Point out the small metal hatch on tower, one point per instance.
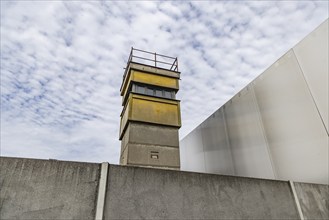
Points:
(150, 118)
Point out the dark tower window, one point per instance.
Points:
(153, 91)
(158, 93)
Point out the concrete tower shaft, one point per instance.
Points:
(150, 118)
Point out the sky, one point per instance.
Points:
(62, 64)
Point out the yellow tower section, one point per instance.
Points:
(150, 118)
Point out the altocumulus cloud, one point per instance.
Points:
(62, 64)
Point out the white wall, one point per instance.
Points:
(276, 127)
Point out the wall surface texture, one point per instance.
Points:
(48, 189)
(139, 193)
(276, 127)
(314, 200)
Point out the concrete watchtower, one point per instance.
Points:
(150, 118)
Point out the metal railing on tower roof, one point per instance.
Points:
(152, 59)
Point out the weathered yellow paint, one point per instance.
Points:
(154, 99)
(125, 86)
(151, 110)
(155, 112)
(124, 117)
(153, 79)
(147, 69)
(149, 78)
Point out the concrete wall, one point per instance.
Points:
(276, 127)
(141, 141)
(141, 155)
(314, 200)
(139, 193)
(151, 134)
(43, 189)
(47, 189)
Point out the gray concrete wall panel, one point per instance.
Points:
(153, 134)
(312, 55)
(49, 189)
(42, 189)
(314, 200)
(139, 154)
(125, 139)
(294, 130)
(139, 193)
(124, 156)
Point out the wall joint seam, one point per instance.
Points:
(228, 140)
(261, 125)
(101, 191)
(310, 92)
(299, 209)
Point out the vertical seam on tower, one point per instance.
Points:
(309, 90)
(101, 192)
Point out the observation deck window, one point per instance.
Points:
(153, 91)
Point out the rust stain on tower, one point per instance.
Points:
(150, 118)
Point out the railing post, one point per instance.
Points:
(171, 65)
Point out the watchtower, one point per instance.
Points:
(150, 118)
